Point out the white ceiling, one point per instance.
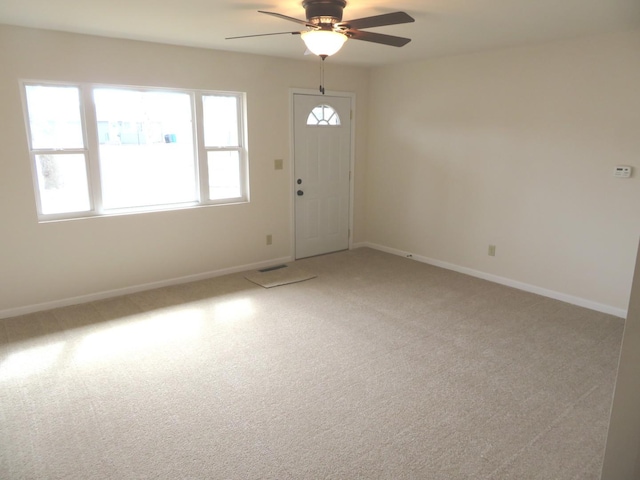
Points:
(442, 27)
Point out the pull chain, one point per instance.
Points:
(322, 74)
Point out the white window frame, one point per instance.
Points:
(241, 116)
(89, 126)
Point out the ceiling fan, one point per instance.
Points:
(326, 32)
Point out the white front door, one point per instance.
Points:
(322, 158)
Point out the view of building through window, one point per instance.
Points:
(147, 153)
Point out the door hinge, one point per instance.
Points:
(350, 114)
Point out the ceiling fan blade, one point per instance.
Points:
(380, 20)
(378, 38)
(263, 35)
(291, 19)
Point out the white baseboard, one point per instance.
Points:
(581, 302)
(14, 312)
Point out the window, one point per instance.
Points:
(145, 148)
(222, 145)
(323, 115)
(58, 149)
(99, 150)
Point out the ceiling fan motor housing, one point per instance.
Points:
(321, 12)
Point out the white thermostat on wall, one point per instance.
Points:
(622, 171)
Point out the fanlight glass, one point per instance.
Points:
(323, 115)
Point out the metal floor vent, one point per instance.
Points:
(269, 269)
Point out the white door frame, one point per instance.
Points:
(303, 91)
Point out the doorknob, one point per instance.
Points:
(299, 181)
(300, 193)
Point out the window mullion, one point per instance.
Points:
(243, 146)
(92, 146)
(203, 166)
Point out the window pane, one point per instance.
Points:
(147, 155)
(224, 175)
(62, 183)
(220, 121)
(323, 115)
(54, 117)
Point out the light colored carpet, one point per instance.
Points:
(380, 368)
(285, 275)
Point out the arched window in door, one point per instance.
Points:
(323, 115)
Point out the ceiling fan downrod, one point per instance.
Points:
(323, 57)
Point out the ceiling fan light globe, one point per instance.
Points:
(323, 42)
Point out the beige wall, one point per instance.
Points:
(622, 456)
(514, 148)
(47, 262)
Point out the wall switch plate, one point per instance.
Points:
(622, 171)
(492, 250)
(278, 164)
(269, 239)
